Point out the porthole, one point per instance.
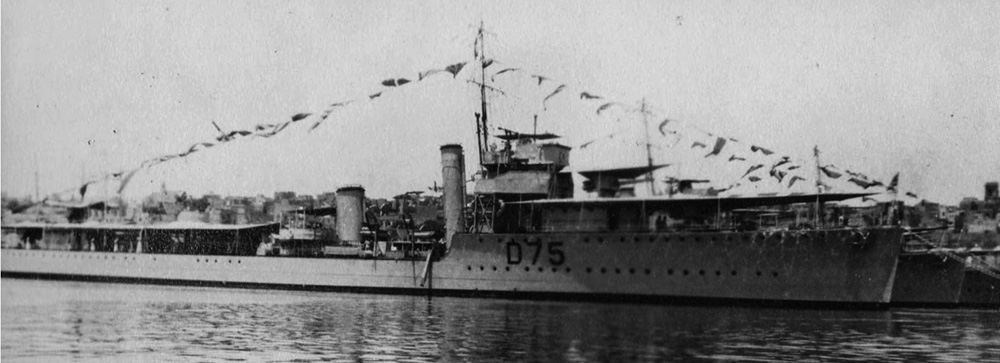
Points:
(541, 269)
(230, 261)
(481, 268)
(555, 269)
(586, 240)
(197, 260)
(670, 271)
(526, 269)
(680, 239)
(635, 239)
(239, 261)
(600, 240)
(733, 273)
(469, 268)
(568, 270)
(604, 270)
(652, 239)
(589, 270)
(774, 273)
(697, 239)
(685, 272)
(507, 268)
(758, 273)
(621, 239)
(480, 239)
(494, 268)
(701, 272)
(718, 273)
(618, 270)
(648, 271)
(631, 271)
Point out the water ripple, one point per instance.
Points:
(61, 321)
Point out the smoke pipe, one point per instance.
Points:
(350, 213)
(453, 175)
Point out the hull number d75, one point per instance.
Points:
(532, 249)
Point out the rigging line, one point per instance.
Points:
(608, 136)
(491, 88)
(479, 27)
(654, 110)
(690, 126)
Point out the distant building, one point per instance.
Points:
(214, 200)
(327, 199)
(281, 209)
(258, 204)
(949, 213)
(163, 206)
(924, 214)
(304, 201)
(191, 216)
(982, 214)
(971, 204)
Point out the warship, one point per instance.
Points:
(520, 233)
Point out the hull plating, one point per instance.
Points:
(928, 279)
(792, 267)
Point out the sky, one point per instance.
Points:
(90, 88)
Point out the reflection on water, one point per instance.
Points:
(60, 321)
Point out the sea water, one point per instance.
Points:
(56, 321)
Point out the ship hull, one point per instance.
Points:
(934, 280)
(823, 269)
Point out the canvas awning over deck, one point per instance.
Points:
(728, 203)
(172, 227)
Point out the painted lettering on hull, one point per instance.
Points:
(534, 248)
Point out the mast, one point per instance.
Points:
(36, 178)
(649, 154)
(482, 122)
(819, 183)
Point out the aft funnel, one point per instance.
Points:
(350, 213)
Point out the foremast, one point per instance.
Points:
(482, 118)
(521, 169)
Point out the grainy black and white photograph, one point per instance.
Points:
(500, 181)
